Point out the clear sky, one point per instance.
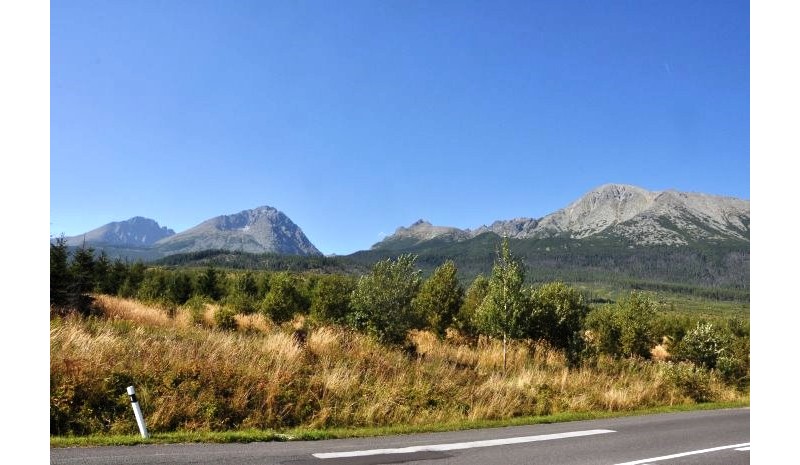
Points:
(354, 118)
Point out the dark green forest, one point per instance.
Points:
(718, 272)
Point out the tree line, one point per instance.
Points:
(394, 298)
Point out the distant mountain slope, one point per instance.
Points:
(136, 232)
(630, 213)
(644, 217)
(614, 233)
(420, 231)
(260, 230)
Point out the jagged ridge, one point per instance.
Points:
(260, 230)
(134, 232)
(615, 210)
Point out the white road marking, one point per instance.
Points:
(461, 445)
(744, 448)
(684, 454)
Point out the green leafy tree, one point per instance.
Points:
(330, 299)
(382, 299)
(602, 331)
(502, 312)
(556, 315)
(636, 317)
(465, 319)
(440, 298)
(283, 299)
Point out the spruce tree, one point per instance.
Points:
(59, 274)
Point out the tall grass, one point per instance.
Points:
(191, 377)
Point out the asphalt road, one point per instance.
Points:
(710, 437)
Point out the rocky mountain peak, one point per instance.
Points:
(259, 230)
(134, 232)
(643, 217)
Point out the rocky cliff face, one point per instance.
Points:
(616, 210)
(260, 230)
(645, 217)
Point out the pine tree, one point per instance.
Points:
(59, 274)
(208, 284)
(82, 270)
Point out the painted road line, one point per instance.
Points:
(684, 454)
(462, 445)
(744, 448)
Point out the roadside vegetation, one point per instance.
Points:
(213, 350)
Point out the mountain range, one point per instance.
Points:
(615, 231)
(259, 230)
(632, 214)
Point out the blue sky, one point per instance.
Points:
(354, 118)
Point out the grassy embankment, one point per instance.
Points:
(263, 383)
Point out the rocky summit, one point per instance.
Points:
(135, 232)
(636, 215)
(260, 230)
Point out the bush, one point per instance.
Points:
(556, 315)
(382, 300)
(240, 303)
(439, 298)
(283, 299)
(702, 346)
(330, 301)
(691, 380)
(225, 318)
(464, 321)
(624, 328)
(197, 309)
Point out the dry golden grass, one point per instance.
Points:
(660, 353)
(193, 377)
(133, 310)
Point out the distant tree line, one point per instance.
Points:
(719, 272)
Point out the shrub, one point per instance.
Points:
(624, 328)
(225, 318)
(440, 298)
(283, 299)
(702, 346)
(381, 301)
(464, 320)
(556, 315)
(330, 301)
(691, 380)
(197, 308)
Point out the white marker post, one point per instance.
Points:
(137, 411)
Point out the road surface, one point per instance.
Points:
(706, 437)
